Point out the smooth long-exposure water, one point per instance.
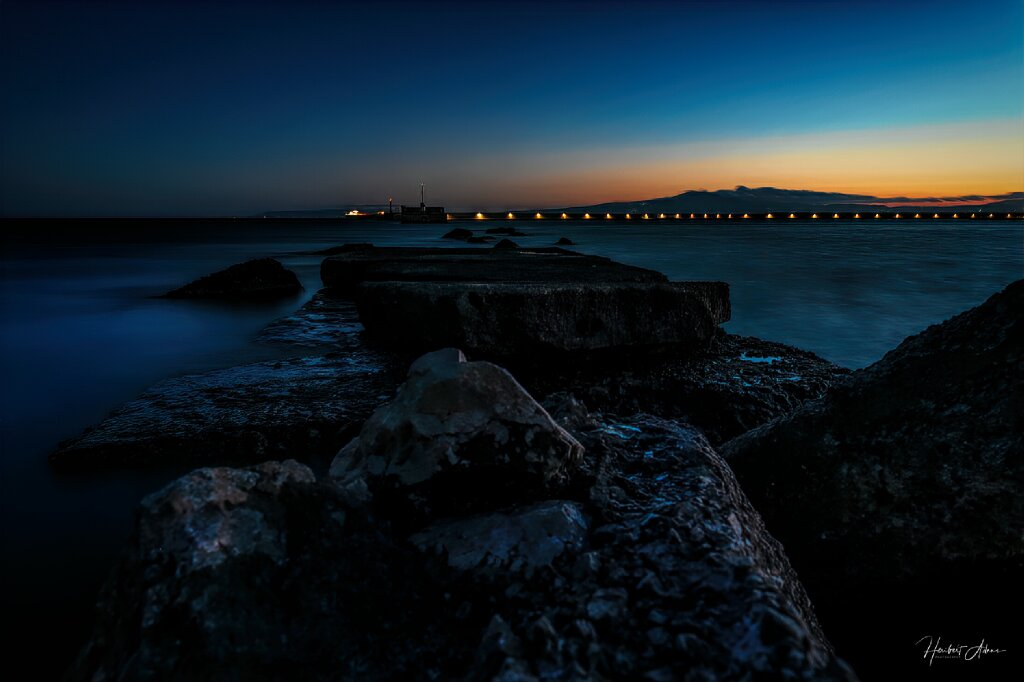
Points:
(81, 333)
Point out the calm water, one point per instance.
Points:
(80, 335)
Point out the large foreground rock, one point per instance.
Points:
(458, 432)
(261, 278)
(906, 481)
(646, 562)
(520, 318)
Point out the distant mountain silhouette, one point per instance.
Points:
(762, 199)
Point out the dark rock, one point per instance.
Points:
(248, 413)
(906, 481)
(479, 240)
(355, 264)
(506, 244)
(262, 278)
(266, 573)
(458, 233)
(510, 542)
(736, 385)
(458, 433)
(507, 231)
(565, 241)
(520, 318)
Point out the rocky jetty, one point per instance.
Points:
(905, 481)
(255, 279)
(520, 301)
(640, 559)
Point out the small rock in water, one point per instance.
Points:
(506, 244)
(262, 278)
(565, 241)
(459, 233)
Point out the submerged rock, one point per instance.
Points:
(262, 278)
(646, 562)
(907, 478)
(507, 231)
(482, 239)
(459, 433)
(502, 319)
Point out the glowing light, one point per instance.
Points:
(628, 217)
(510, 216)
(564, 216)
(608, 216)
(955, 215)
(448, 216)
(897, 215)
(972, 215)
(661, 215)
(586, 216)
(538, 216)
(856, 215)
(791, 215)
(877, 216)
(677, 216)
(917, 215)
(353, 212)
(718, 215)
(380, 212)
(705, 216)
(769, 216)
(747, 215)
(479, 216)
(691, 216)
(990, 215)
(814, 215)
(1008, 215)
(935, 216)
(835, 215)
(646, 216)
(730, 216)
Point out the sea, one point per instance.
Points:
(81, 332)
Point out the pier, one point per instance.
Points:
(498, 216)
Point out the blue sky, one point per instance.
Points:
(235, 108)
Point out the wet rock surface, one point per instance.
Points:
(737, 384)
(904, 483)
(458, 233)
(645, 562)
(256, 279)
(297, 407)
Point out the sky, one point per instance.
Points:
(234, 108)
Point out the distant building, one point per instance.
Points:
(423, 213)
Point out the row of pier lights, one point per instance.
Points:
(509, 215)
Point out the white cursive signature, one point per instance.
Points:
(967, 652)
